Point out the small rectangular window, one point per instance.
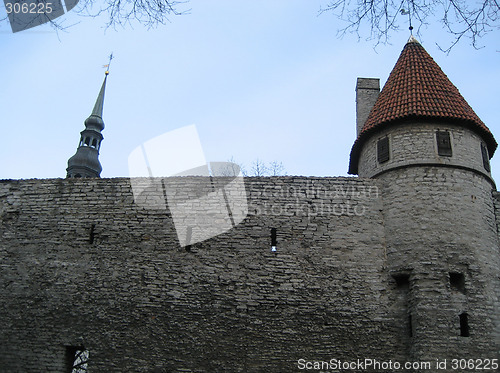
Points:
(457, 281)
(443, 143)
(410, 326)
(274, 240)
(464, 325)
(383, 150)
(486, 158)
(92, 233)
(402, 280)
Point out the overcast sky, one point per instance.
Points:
(260, 79)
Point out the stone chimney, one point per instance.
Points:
(367, 91)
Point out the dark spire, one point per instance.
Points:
(95, 118)
(85, 162)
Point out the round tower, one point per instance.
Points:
(85, 162)
(431, 153)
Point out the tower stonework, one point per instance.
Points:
(400, 265)
(431, 153)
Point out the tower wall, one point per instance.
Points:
(440, 221)
(415, 144)
(440, 224)
(441, 235)
(421, 141)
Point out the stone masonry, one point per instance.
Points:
(397, 270)
(83, 265)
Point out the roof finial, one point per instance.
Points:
(408, 13)
(109, 64)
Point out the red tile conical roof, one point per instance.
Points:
(418, 88)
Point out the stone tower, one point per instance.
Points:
(431, 152)
(85, 162)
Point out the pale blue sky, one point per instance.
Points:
(260, 79)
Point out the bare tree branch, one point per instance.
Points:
(259, 168)
(276, 169)
(149, 13)
(461, 18)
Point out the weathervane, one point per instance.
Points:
(109, 64)
(407, 12)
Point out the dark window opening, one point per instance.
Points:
(402, 280)
(486, 158)
(76, 359)
(457, 281)
(92, 234)
(410, 326)
(78, 176)
(383, 150)
(87, 141)
(274, 240)
(443, 143)
(94, 143)
(464, 325)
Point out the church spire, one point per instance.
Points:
(99, 103)
(85, 162)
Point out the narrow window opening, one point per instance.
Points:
(464, 325)
(383, 150)
(486, 158)
(444, 143)
(92, 234)
(76, 359)
(87, 141)
(402, 280)
(274, 240)
(94, 143)
(457, 281)
(410, 326)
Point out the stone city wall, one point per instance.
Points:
(85, 265)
